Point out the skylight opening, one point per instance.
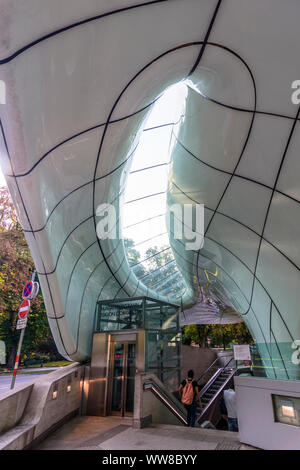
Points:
(144, 226)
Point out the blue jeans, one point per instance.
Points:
(191, 413)
(232, 424)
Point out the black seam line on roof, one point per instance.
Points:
(183, 268)
(177, 48)
(102, 139)
(206, 38)
(270, 327)
(282, 360)
(26, 213)
(250, 308)
(102, 261)
(271, 333)
(176, 273)
(112, 277)
(80, 308)
(80, 187)
(121, 288)
(114, 106)
(150, 257)
(74, 25)
(234, 170)
(236, 108)
(262, 333)
(166, 279)
(98, 126)
(136, 288)
(271, 352)
(70, 233)
(243, 148)
(48, 273)
(250, 127)
(196, 266)
(145, 197)
(149, 167)
(182, 278)
(272, 195)
(244, 110)
(162, 125)
(235, 175)
(255, 279)
(149, 239)
(240, 223)
(144, 220)
(72, 272)
(157, 269)
(82, 297)
(230, 277)
(167, 292)
(150, 104)
(270, 320)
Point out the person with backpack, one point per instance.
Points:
(189, 394)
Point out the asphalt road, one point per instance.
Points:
(5, 380)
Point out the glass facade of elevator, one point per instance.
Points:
(160, 321)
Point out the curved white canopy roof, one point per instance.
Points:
(80, 79)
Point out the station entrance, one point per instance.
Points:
(132, 336)
(122, 375)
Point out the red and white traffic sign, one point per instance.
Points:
(30, 290)
(24, 309)
(27, 291)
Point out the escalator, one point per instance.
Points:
(211, 392)
(215, 379)
(174, 405)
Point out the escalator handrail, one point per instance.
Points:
(219, 370)
(156, 390)
(203, 410)
(205, 372)
(210, 382)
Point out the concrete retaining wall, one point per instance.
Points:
(48, 402)
(198, 359)
(12, 406)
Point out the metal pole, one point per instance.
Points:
(17, 359)
(19, 347)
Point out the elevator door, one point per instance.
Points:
(123, 375)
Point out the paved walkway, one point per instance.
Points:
(113, 433)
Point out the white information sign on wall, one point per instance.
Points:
(242, 352)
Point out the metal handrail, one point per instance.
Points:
(154, 388)
(205, 372)
(231, 359)
(203, 410)
(210, 382)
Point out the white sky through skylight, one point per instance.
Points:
(153, 150)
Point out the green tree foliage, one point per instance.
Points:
(16, 266)
(219, 335)
(134, 257)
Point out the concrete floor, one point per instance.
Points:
(114, 433)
